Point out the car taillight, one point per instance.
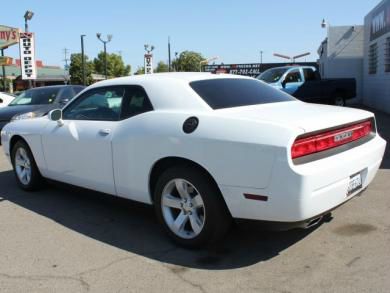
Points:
(329, 139)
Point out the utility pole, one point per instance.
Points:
(169, 54)
(66, 51)
(3, 68)
(83, 59)
(109, 38)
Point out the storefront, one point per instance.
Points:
(376, 72)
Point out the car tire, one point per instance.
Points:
(25, 168)
(190, 207)
(339, 101)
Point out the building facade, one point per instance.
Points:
(376, 71)
(342, 54)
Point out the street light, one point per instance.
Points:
(82, 59)
(109, 38)
(149, 48)
(27, 16)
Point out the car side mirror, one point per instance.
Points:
(56, 115)
(284, 82)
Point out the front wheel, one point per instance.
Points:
(190, 207)
(26, 171)
(339, 101)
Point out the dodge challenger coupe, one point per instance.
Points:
(203, 149)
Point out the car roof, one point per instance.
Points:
(169, 91)
(178, 76)
(54, 86)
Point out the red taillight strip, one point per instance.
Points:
(330, 139)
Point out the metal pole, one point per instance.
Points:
(105, 60)
(3, 68)
(169, 54)
(82, 59)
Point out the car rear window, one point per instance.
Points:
(234, 92)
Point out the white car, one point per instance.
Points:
(203, 149)
(5, 99)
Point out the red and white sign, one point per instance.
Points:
(27, 56)
(8, 36)
(148, 63)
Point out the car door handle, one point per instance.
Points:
(105, 131)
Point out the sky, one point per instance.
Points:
(235, 31)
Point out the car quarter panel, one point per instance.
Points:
(236, 152)
(30, 130)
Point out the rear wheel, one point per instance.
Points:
(190, 207)
(26, 171)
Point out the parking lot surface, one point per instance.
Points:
(63, 239)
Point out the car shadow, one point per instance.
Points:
(133, 227)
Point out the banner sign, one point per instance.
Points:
(251, 69)
(380, 21)
(8, 36)
(148, 63)
(5, 61)
(27, 56)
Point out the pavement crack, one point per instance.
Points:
(102, 268)
(179, 271)
(82, 282)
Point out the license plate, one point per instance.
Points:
(355, 183)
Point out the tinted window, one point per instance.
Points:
(228, 93)
(293, 76)
(37, 96)
(98, 104)
(67, 93)
(272, 75)
(78, 89)
(309, 74)
(136, 103)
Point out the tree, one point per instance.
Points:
(161, 67)
(188, 61)
(115, 65)
(75, 69)
(140, 70)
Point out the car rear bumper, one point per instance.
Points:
(300, 192)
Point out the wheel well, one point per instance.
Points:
(164, 164)
(14, 140)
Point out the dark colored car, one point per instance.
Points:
(306, 84)
(38, 101)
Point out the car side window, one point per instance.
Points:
(101, 104)
(293, 76)
(1, 101)
(309, 74)
(136, 102)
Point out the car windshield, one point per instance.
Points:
(37, 96)
(236, 92)
(272, 75)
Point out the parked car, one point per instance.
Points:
(37, 102)
(5, 99)
(203, 149)
(305, 83)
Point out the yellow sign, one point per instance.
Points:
(5, 61)
(8, 36)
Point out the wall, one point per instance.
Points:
(376, 87)
(342, 55)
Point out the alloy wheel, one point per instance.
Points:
(183, 208)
